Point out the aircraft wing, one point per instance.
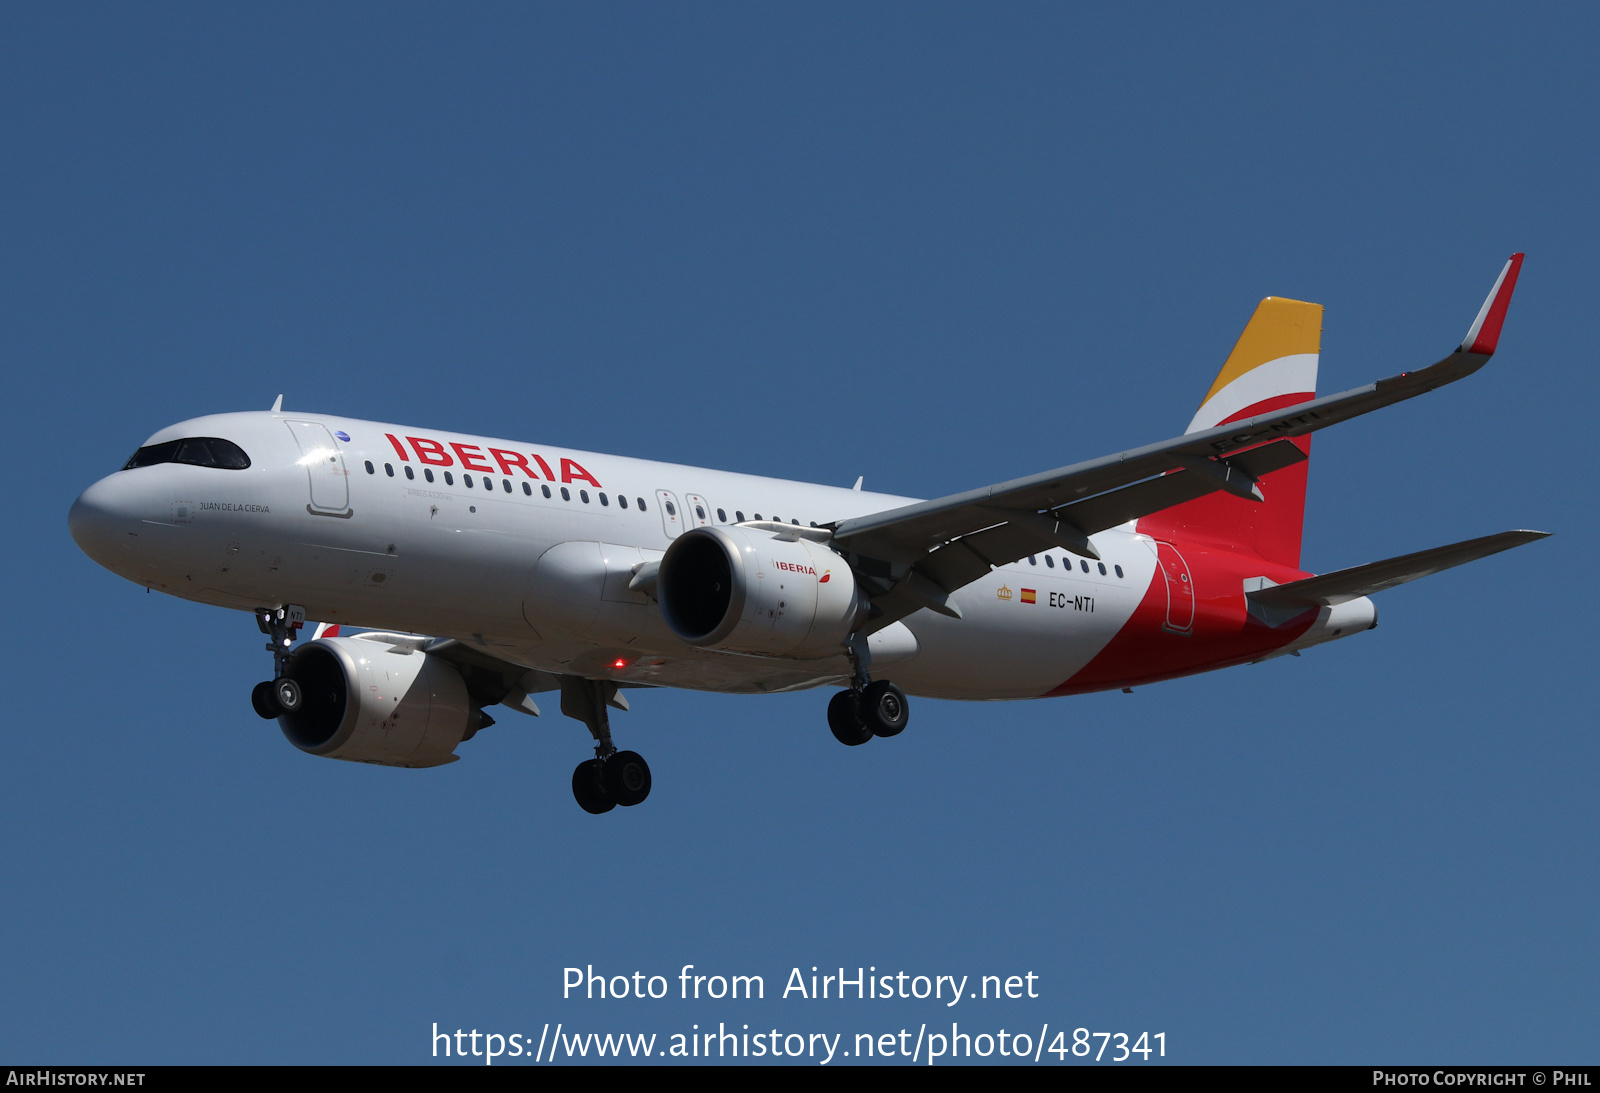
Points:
(1342, 585)
(914, 556)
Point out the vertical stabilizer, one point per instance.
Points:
(1273, 365)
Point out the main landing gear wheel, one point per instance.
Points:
(844, 718)
(883, 708)
(264, 701)
(626, 778)
(612, 777)
(587, 788)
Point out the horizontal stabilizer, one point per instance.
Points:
(1363, 580)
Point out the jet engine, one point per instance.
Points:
(369, 702)
(748, 590)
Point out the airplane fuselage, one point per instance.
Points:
(527, 552)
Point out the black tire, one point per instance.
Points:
(587, 789)
(884, 709)
(844, 718)
(287, 694)
(627, 778)
(263, 700)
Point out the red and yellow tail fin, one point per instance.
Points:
(1273, 365)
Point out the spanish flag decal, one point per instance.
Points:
(1029, 596)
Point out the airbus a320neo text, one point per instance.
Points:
(488, 572)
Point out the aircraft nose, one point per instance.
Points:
(100, 520)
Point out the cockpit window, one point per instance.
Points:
(197, 451)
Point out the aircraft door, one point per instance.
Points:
(1180, 589)
(698, 514)
(671, 515)
(325, 470)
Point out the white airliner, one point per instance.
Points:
(497, 569)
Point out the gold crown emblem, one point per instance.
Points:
(1004, 593)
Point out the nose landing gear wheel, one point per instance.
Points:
(286, 692)
(883, 707)
(626, 778)
(587, 789)
(263, 700)
(844, 718)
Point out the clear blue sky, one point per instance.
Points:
(936, 245)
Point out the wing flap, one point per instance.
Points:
(1141, 499)
(970, 557)
(1340, 586)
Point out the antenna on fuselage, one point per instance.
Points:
(860, 478)
(277, 404)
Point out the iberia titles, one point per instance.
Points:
(473, 457)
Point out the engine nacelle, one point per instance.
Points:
(364, 701)
(745, 590)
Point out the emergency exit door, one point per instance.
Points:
(671, 514)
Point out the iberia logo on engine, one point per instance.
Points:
(790, 567)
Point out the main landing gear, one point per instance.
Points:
(878, 709)
(279, 695)
(612, 777)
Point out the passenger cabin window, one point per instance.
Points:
(1085, 565)
(1102, 566)
(448, 480)
(370, 468)
(545, 490)
(388, 469)
(1032, 560)
(527, 490)
(583, 495)
(722, 517)
(410, 473)
(196, 451)
(640, 500)
(466, 480)
(622, 499)
(566, 494)
(738, 516)
(1118, 568)
(428, 474)
(604, 500)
